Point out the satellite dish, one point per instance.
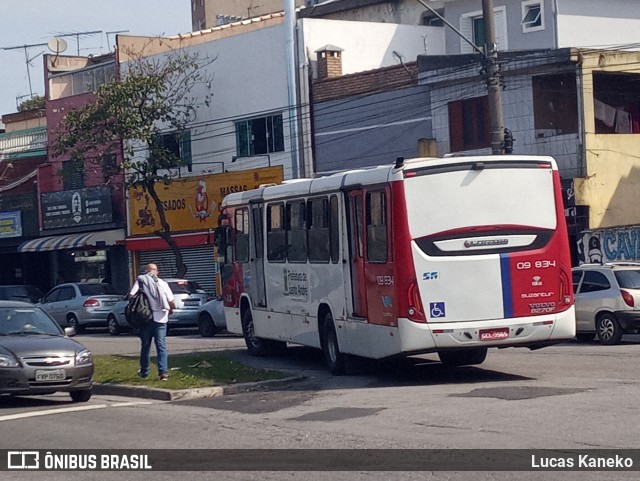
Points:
(57, 45)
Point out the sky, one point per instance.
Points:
(28, 22)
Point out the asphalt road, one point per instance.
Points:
(570, 396)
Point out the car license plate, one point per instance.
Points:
(50, 375)
(494, 334)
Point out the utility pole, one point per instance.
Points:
(492, 68)
(494, 84)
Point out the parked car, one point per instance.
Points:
(79, 304)
(188, 296)
(37, 357)
(20, 292)
(211, 318)
(607, 301)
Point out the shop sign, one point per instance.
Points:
(10, 224)
(192, 204)
(70, 208)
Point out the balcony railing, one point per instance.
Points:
(23, 144)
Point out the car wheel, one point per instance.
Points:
(80, 396)
(113, 326)
(466, 357)
(334, 359)
(608, 329)
(584, 336)
(206, 326)
(73, 322)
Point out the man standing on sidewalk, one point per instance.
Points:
(161, 301)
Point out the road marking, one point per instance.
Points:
(46, 412)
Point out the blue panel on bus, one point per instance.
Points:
(507, 297)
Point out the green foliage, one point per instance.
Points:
(154, 96)
(33, 103)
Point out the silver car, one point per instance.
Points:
(607, 301)
(188, 297)
(36, 357)
(79, 304)
(211, 318)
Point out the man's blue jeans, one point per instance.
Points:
(153, 331)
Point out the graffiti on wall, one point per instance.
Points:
(610, 245)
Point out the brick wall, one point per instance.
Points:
(379, 80)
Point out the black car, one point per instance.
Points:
(37, 357)
(26, 293)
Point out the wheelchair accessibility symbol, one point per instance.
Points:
(437, 309)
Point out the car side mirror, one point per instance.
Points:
(69, 331)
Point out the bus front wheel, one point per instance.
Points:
(466, 357)
(333, 357)
(255, 345)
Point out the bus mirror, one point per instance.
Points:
(220, 238)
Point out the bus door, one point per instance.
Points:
(378, 262)
(355, 228)
(257, 256)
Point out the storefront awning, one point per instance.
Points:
(73, 241)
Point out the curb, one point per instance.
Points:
(195, 393)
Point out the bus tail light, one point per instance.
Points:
(415, 311)
(565, 288)
(627, 298)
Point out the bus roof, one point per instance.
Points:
(365, 176)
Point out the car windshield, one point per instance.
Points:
(23, 293)
(23, 321)
(629, 279)
(96, 289)
(185, 287)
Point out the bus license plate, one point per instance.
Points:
(50, 375)
(494, 334)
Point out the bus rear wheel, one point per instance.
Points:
(466, 357)
(333, 357)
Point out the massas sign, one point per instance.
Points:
(192, 204)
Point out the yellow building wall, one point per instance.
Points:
(611, 187)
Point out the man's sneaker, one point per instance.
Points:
(164, 376)
(143, 376)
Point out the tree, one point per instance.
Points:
(33, 103)
(154, 96)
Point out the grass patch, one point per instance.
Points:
(201, 369)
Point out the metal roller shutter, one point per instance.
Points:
(199, 261)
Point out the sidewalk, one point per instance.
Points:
(129, 345)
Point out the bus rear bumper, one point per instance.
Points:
(535, 331)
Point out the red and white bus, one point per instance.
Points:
(449, 255)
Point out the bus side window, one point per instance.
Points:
(276, 235)
(334, 230)
(318, 234)
(376, 227)
(296, 231)
(242, 235)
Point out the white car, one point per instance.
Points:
(607, 301)
(211, 318)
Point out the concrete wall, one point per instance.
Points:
(372, 129)
(593, 23)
